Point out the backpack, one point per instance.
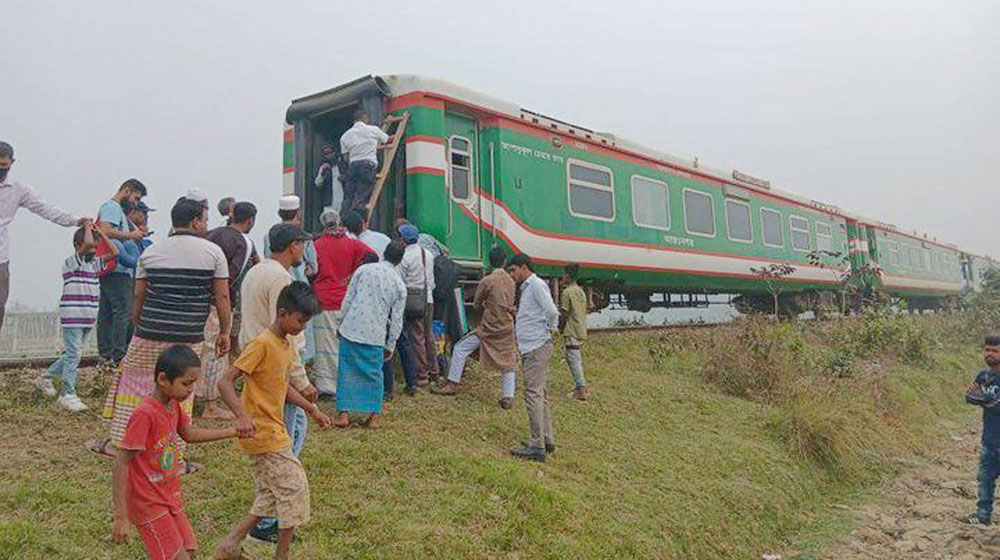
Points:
(103, 251)
(445, 277)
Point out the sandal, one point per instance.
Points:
(190, 467)
(102, 447)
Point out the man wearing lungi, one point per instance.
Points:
(177, 281)
(372, 320)
(337, 256)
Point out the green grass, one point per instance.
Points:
(659, 463)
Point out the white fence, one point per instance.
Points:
(35, 335)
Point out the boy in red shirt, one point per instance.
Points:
(148, 489)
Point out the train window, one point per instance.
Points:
(892, 248)
(591, 191)
(800, 233)
(699, 213)
(460, 166)
(770, 225)
(738, 220)
(824, 237)
(650, 203)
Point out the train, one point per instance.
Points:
(647, 228)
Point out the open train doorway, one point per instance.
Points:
(319, 121)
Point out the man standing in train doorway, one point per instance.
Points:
(537, 320)
(360, 146)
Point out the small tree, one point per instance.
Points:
(772, 276)
(851, 280)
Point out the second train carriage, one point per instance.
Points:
(477, 171)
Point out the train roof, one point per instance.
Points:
(394, 85)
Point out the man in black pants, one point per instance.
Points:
(360, 146)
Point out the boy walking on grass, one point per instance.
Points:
(985, 392)
(282, 487)
(77, 313)
(147, 488)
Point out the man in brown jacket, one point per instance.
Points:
(494, 336)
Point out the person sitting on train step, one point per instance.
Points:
(537, 320)
(338, 256)
(495, 301)
(417, 269)
(573, 320)
(328, 177)
(360, 146)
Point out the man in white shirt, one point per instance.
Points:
(360, 146)
(537, 319)
(417, 269)
(13, 196)
(357, 225)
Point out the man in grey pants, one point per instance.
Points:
(14, 196)
(537, 320)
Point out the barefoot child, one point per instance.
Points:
(147, 491)
(985, 392)
(282, 487)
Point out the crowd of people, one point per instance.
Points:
(318, 318)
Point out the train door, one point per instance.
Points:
(462, 183)
(873, 250)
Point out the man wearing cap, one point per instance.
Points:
(337, 257)
(14, 196)
(259, 301)
(417, 268)
(197, 196)
(290, 212)
(360, 146)
(114, 317)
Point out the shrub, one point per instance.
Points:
(755, 358)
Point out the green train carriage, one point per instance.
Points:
(477, 171)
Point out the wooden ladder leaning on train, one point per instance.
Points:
(395, 127)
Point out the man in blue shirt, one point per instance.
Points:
(114, 318)
(985, 392)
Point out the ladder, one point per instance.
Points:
(394, 126)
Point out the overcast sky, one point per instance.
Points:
(885, 108)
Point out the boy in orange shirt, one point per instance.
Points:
(148, 479)
(282, 487)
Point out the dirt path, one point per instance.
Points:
(920, 518)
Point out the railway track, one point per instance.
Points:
(39, 362)
(88, 361)
(642, 328)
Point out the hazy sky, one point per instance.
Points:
(887, 108)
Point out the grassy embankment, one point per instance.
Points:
(703, 444)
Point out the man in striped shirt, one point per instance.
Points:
(77, 314)
(176, 283)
